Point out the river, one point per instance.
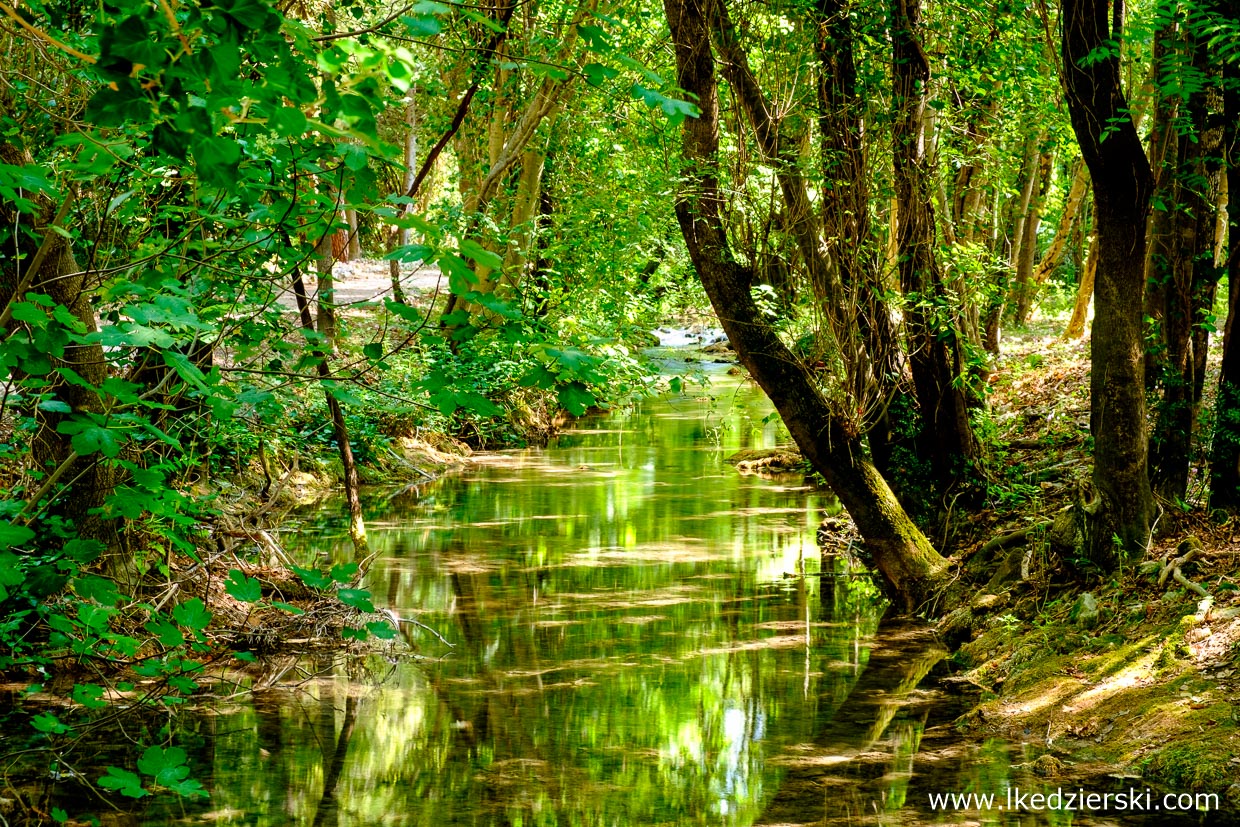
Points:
(626, 632)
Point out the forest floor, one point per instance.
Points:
(1132, 674)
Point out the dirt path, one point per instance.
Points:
(367, 280)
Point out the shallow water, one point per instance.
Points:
(635, 635)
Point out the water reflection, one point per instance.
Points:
(640, 636)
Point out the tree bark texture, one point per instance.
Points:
(1122, 508)
(932, 324)
(1084, 292)
(340, 428)
(1163, 148)
(1225, 449)
(903, 555)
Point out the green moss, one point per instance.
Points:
(1192, 767)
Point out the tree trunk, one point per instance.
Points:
(1069, 220)
(340, 428)
(403, 236)
(831, 442)
(1084, 292)
(849, 234)
(1025, 288)
(1159, 228)
(1018, 214)
(1188, 292)
(523, 218)
(38, 258)
(931, 322)
(1225, 450)
(324, 262)
(969, 190)
(781, 151)
(355, 238)
(1122, 509)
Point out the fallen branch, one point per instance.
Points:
(1012, 538)
(1171, 566)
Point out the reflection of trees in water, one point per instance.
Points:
(831, 780)
(586, 683)
(677, 741)
(328, 813)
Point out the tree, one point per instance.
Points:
(826, 435)
(933, 326)
(1225, 450)
(1120, 509)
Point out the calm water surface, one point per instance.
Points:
(639, 636)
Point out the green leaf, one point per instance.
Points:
(99, 589)
(123, 781)
(168, 634)
(192, 614)
(94, 439)
(312, 577)
(497, 305)
(89, 695)
(539, 377)
(288, 122)
(217, 159)
(125, 646)
(576, 398)
(421, 25)
(14, 535)
(461, 277)
(381, 629)
(344, 572)
(189, 788)
(480, 254)
(29, 314)
(49, 723)
(288, 607)
(168, 766)
(84, 551)
(477, 403)
(59, 816)
(243, 588)
(357, 598)
(95, 618)
(340, 393)
(11, 573)
(597, 74)
(675, 110)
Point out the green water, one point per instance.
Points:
(635, 635)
